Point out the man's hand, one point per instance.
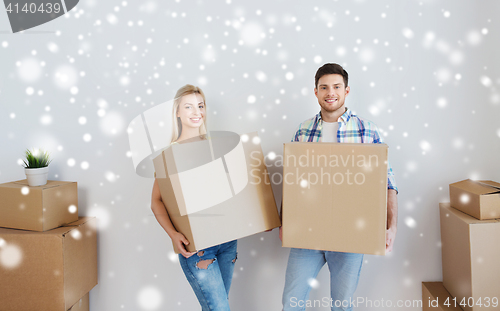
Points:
(392, 219)
(390, 236)
(179, 241)
(281, 234)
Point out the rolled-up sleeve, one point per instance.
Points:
(297, 134)
(391, 181)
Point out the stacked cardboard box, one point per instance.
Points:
(480, 199)
(51, 264)
(470, 252)
(38, 208)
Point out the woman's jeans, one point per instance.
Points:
(211, 283)
(303, 267)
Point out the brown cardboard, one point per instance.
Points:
(81, 305)
(327, 205)
(480, 199)
(235, 198)
(471, 257)
(54, 268)
(38, 208)
(436, 298)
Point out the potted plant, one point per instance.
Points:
(37, 167)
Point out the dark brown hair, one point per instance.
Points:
(329, 69)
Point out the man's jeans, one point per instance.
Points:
(303, 267)
(211, 285)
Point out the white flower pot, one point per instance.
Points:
(37, 176)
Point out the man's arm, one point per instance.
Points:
(281, 220)
(392, 201)
(392, 219)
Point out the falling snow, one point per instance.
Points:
(75, 90)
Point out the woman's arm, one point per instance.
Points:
(163, 219)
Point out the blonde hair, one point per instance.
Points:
(176, 123)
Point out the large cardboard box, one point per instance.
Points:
(38, 208)
(216, 190)
(471, 258)
(480, 199)
(335, 197)
(47, 271)
(436, 298)
(81, 305)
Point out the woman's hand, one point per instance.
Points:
(179, 241)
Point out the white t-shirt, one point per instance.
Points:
(329, 132)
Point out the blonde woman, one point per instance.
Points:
(209, 271)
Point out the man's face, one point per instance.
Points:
(331, 92)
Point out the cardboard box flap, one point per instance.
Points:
(57, 231)
(467, 218)
(11, 231)
(479, 187)
(82, 304)
(49, 184)
(62, 231)
(491, 184)
(81, 220)
(9, 184)
(24, 183)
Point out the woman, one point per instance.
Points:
(209, 271)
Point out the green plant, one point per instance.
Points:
(36, 158)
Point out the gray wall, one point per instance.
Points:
(424, 71)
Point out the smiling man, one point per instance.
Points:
(334, 123)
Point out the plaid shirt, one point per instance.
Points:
(352, 129)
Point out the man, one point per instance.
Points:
(334, 123)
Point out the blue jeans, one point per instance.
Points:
(211, 284)
(303, 267)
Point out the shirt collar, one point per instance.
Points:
(343, 118)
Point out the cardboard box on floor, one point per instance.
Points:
(471, 257)
(48, 271)
(216, 190)
(335, 197)
(480, 198)
(436, 298)
(38, 208)
(81, 305)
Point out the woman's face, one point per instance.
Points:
(191, 110)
